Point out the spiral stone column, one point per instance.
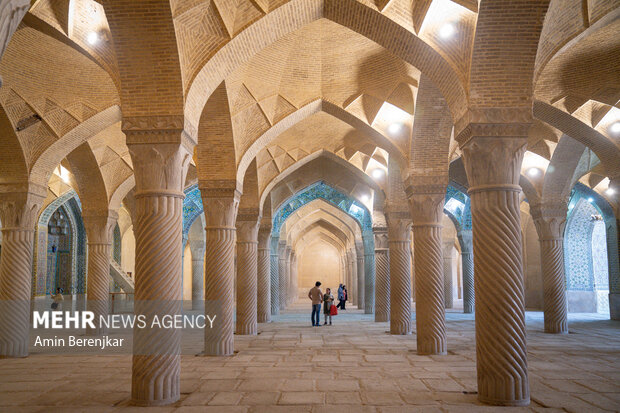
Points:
(247, 267)
(198, 275)
(550, 225)
(160, 171)
(282, 273)
(382, 274)
(98, 231)
(294, 291)
(275, 276)
(493, 153)
(263, 276)
(399, 229)
(426, 208)
(467, 263)
(359, 252)
(221, 207)
(18, 214)
(447, 275)
(369, 273)
(289, 268)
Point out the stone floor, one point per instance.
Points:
(352, 366)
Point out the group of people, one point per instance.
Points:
(327, 299)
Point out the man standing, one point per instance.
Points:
(316, 295)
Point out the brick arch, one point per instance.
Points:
(328, 227)
(564, 170)
(121, 191)
(329, 223)
(349, 13)
(90, 182)
(146, 45)
(320, 205)
(324, 235)
(13, 167)
(606, 150)
(306, 111)
(326, 156)
(507, 31)
(57, 151)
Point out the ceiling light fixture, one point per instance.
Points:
(610, 191)
(92, 38)
(590, 200)
(395, 128)
(377, 173)
(615, 127)
(365, 198)
(446, 31)
(533, 172)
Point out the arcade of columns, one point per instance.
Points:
(491, 123)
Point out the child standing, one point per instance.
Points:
(328, 300)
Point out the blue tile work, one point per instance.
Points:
(116, 244)
(582, 193)
(321, 190)
(69, 262)
(192, 208)
(458, 208)
(578, 247)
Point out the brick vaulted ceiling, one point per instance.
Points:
(332, 71)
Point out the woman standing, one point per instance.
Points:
(340, 297)
(328, 300)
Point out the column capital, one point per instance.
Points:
(163, 129)
(20, 209)
(197, 247)
(359, 248)
(159, 168)
(492, 122)
(220, 205)
(381, 238)
(494, 162)
(99, 225)
(247, 231)
(399, 226)
(427, 207)
(549, 218)
(264, 234)
(466, 239)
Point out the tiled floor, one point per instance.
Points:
(352, 366)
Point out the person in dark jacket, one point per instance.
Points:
(345, 296)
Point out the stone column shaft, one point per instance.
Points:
(400, 272)
(220, 217)
(282, 274)
(550, 223)
(198, 275)
(493, 154)
(467, 260)
(426, 209)
(160, 171)
(369, 273)
(275, 276)
(98, 230)
(359, 250)
(447, 276)
(18, 213)
(263, 292)
(382, 275)
(247, 267)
